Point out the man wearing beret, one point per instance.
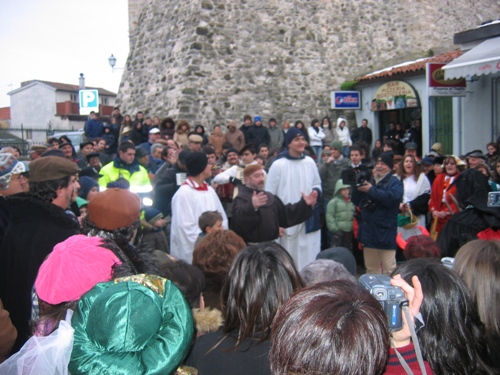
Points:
(379, 203)
(291, 174)
(193, 198)
(38, 222)
(258, 215)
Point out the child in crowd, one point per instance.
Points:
(208, 222)
(153, 232)
(109, 137)
(340, 216)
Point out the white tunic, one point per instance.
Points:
(187, 206)
(288, 179)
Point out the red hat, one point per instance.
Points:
(73, 268)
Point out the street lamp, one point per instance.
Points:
(112, 63)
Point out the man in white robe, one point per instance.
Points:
(193, 198)
(289, 177)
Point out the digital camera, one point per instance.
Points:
(392, 298)
(356, 176)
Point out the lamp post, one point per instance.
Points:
(112, 63)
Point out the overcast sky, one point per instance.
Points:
(56, 40)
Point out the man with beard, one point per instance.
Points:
(379, 203)
(38, 222)
(258, 215)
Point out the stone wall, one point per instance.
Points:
(212, 60)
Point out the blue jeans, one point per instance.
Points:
(345, 151)
(317, 151)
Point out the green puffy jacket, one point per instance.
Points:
(339, 212)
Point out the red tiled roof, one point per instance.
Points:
(411, 66)
(69, 88)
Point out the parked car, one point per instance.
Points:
(76, 137)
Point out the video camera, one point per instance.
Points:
(392, 298)
(357, 176)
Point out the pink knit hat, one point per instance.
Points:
(73, 268)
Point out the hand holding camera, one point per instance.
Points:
(414, 295)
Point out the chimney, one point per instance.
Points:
(82, 82)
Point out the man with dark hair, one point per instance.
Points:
(258, 134)
(379, 202)
(276, 135)
(38, 222)
(248, 154)
(85, 149)
(390, 145)
(289, 177)
(247, 125)
(126, 166)
(167, 182)
(94, 126)
(363, 133)
(193, 198)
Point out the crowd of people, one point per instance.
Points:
(160, 247)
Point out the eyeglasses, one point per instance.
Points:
(21, 177)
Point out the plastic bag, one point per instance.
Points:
(47, 355)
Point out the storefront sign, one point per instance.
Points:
(346, 100)
(439, 86)
(395, 95)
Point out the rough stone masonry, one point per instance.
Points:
(211, 60)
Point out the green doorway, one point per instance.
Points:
(441, 122)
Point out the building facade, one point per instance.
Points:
(39, 107)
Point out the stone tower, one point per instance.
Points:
(212, 60)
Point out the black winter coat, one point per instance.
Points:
(263, 224)
(35, 228)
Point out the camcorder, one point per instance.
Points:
(494, 199)
(357, 176)
(392, 298)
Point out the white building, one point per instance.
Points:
(464, 116)
(40, 107)
(479, 110)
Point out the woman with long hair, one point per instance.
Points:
(453, 340)
(316, 136)
(182, 132)
(417, 188)
(344, 136)
(492, 156)
(300, 125)
(329, 130)
(443, 202)
(261, 279)
(478, 264)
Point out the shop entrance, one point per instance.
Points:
(405, 117)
